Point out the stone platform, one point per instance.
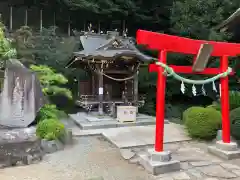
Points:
(138, 136)
(93, 121)
(144, 135)
(19, 146)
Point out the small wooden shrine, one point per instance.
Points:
(112, 62)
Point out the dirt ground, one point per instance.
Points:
(90, 157)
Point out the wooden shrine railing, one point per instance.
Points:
(89, 102)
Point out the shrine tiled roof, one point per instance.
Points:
(107, 47)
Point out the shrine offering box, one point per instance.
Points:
(126, 114)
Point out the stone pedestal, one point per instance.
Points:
(226, 151)
(159, 162)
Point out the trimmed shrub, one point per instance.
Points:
(48, 111)
(187, 111)
(235, 123)
(202, 123)
(50, 129)
(215, 105)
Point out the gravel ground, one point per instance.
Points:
(90, 157)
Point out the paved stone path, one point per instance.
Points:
(94, 157)
(126, 137)
(196, 163)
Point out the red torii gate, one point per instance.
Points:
(168, 43)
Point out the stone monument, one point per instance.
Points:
(21, 96)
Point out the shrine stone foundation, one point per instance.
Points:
(159, 162)
(226, 151)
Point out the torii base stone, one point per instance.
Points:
(159, 162)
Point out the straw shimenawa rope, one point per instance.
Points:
(170, 72)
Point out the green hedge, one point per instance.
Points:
(202, 123)
(234, 101)
(50, 129)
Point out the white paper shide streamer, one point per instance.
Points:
(194, 90)
(182, 87)
(214, 86)
(220, 90)
(203, 91)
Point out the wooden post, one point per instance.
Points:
(225, 101)
(135, 90)
(84, 26)
(69, 26)
(41, 21)
(54, 21)
(125, 92)
(26, 17)
(100, 90)
(78, 84)
(99, 27)
(93, 84)
(124, 27)
(11, 19)
(160, 103)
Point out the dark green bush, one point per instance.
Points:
(235, 123)
(234, 101)
(173, 111)
(202, 123)
(50, 129)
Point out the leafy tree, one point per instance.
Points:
(6, 50)
(198, 18)
(23, 41)
(51, 81)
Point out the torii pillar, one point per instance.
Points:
(159, 161)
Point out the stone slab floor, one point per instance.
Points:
(94, 157)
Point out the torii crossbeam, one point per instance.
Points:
(168, 43)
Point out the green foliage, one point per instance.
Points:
(234, 101)
(53, 50)
(6, 50)
(202, 123)
(46, 48)
(197, 19)
(51, 81)
(23, 41)
(121, 9)
(149, 107)
(215, 106)
(48, 111)
(235, 123)
(174, 111)
(50, 129)
(187, 111)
